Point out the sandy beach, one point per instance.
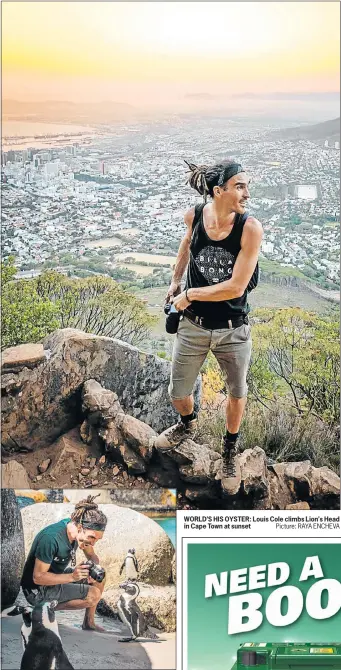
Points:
(100, 651)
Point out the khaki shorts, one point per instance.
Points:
(231, 347)
(60, 592)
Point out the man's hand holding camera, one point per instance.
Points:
(173, 290)
(80, 572)
(181, 301)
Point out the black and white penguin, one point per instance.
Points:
(131, 566)
(43, 649)
(26, 628)
(130, 613)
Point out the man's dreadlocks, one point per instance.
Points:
(203, 178)
(88, 515)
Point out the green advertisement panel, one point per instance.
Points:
(263, 606)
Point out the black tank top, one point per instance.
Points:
(211, 262)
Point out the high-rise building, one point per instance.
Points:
(102, 167)
(326, 144)
(51, 170)
(337, 145)
(11, 156)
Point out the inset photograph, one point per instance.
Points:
(86, 583)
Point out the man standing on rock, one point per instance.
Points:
(50, 571)
(220, 250)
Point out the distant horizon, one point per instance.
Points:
(276, 95)
(174, 56)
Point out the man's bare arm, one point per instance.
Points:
(42, 577)
(242, 271)
(183, 255)
(89, 552)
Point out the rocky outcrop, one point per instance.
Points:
(125, 456)
(41, 385)
(12, 548)
(13, 474)
(116, 398)
(126, 529)
(23, 356)
(158, 604)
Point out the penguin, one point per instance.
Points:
(26, 628)
(131, 566)
(43, 648)
(130, 613)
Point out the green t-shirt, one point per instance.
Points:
(51, 546)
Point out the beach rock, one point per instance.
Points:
(74, 496)
(158, 604)
(126, 528)
(13, 474)
(254, 472)
(50, 401)
(12, 548)
(156, 500)
(174, 569)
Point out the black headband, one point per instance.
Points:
(229, 171)
(93, 525)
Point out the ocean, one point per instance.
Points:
(168, 523)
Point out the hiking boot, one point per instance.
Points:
(171, 437)
(231, 473)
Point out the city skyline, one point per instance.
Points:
(165, 54)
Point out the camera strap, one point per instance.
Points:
(73, 555)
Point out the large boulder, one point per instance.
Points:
(12, 548)
(158, 605)
(42, 403)
(126, 529)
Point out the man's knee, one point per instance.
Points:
(238, 396)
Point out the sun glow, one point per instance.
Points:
(222, 42)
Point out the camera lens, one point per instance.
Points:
(96, 572)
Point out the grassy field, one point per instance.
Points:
(147, 258)
(142, 270)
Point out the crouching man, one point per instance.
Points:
(50, 571)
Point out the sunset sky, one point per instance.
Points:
(136, 52)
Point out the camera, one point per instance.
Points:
(173, 318)
(96, 572)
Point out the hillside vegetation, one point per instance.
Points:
(294, 384)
